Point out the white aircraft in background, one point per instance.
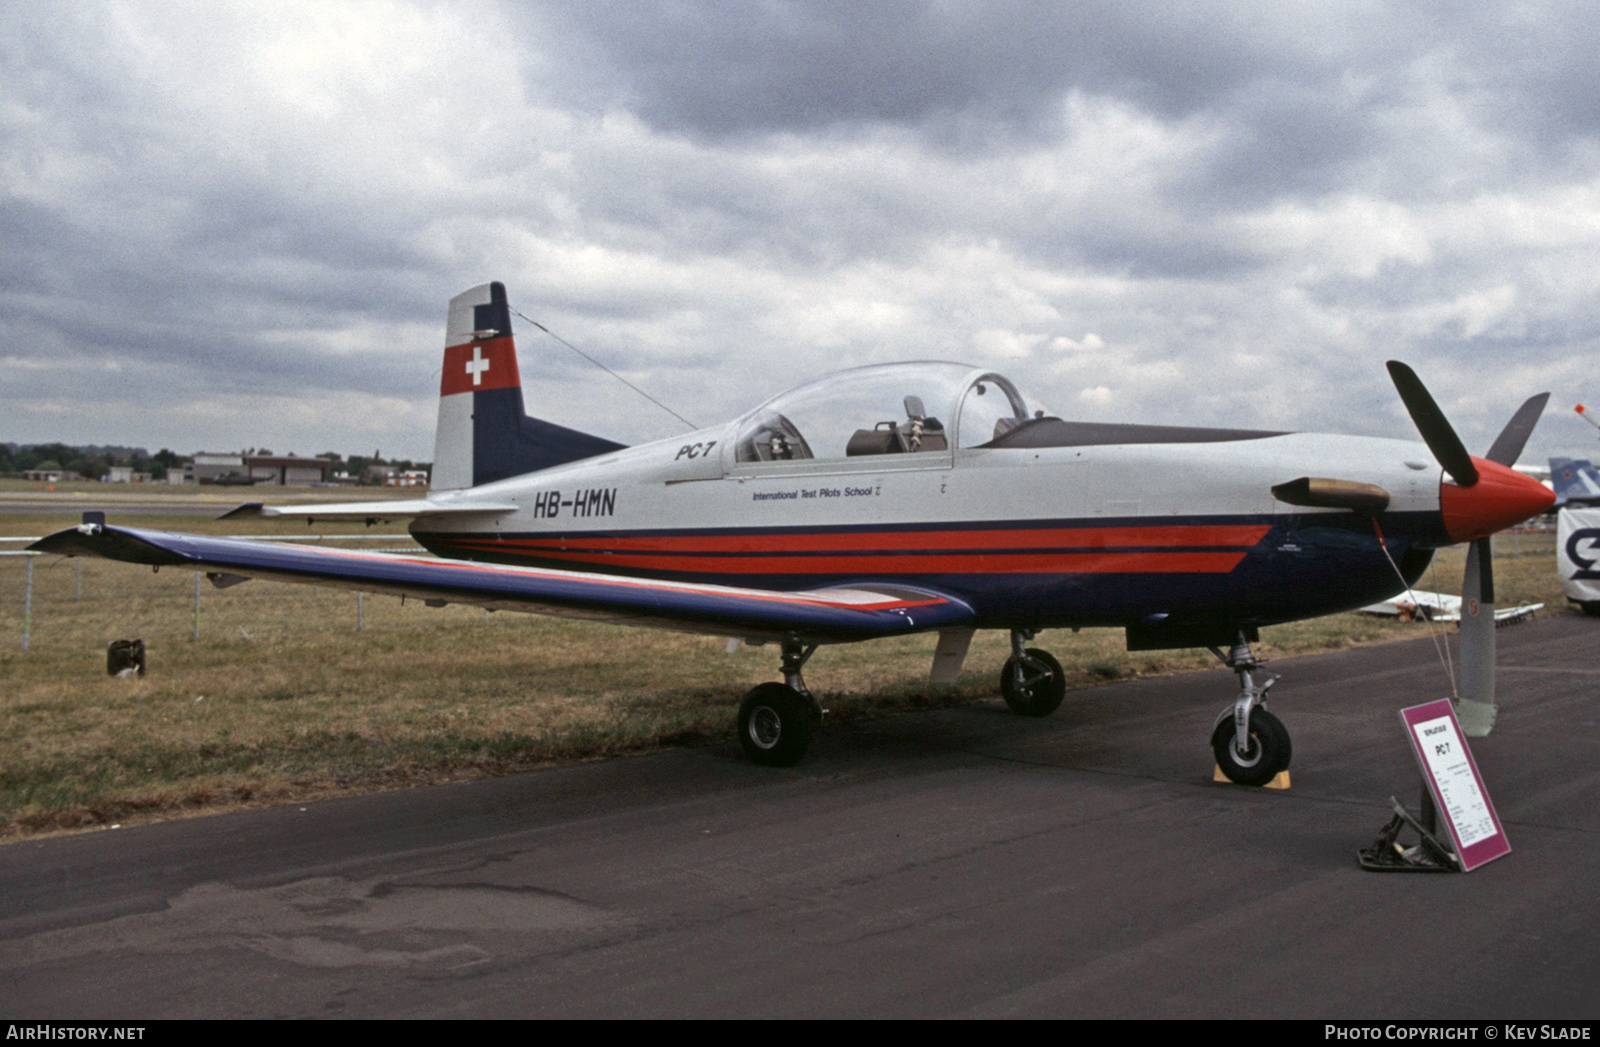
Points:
(1418, 605)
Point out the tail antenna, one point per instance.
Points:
(606, 369)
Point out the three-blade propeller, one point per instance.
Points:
(1477, 707)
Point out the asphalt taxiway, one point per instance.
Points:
(954, 863)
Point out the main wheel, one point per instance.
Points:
(1043, 684)
(775, 725)
(1269, 748)
(1591, 607)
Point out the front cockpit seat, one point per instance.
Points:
(773, 439)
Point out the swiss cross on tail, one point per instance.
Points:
(476, 367)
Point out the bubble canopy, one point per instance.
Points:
(923, 408)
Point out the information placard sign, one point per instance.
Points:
(1452, 776)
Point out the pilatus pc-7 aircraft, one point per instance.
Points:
(911, 498)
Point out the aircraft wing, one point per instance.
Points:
(1440, 607)
(371, 512)
(823, 615)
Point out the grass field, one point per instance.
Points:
(283, 698)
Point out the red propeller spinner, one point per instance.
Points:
(1501, 497)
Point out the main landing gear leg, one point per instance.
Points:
(777, 720)
(1251, 745)
(1032, 682)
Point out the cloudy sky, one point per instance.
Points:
(227, 226)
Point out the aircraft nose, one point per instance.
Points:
(1500, 498)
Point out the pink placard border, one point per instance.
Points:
(1483, 851)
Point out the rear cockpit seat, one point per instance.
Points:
(916, 435)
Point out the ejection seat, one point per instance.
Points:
(917, 433)
(773, 439)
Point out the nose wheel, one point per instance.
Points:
(1266, 752)
(1251, 745)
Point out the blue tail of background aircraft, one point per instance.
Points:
(1576, 481)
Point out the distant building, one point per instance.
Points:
(49, 476)
(208, 468)
(124, 474)
(246, 469)
(286, 469)
(408, 478)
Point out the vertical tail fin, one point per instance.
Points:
(1575, 480)
(483, 434)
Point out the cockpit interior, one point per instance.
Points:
(891, 409)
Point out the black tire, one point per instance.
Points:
(1591, 608)
(775, 725)
(1043, 686)
(1269, 749)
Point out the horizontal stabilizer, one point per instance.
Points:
(832, 615)
(370, 511)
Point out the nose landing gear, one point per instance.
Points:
(1251, 745)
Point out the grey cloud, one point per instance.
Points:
(719, 69)
(1308, 98)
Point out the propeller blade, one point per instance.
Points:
(1477, 708)
(1432, 424)
(1508, 445)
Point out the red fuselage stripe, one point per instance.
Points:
(1173, 538)
(1066, 562)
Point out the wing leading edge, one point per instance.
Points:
(824, 615)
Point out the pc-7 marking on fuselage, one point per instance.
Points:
(596, 501)
(695, 450)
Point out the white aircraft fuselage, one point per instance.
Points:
(1041, 537)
